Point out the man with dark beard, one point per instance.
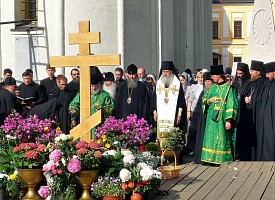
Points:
(132, 97)
(109, 84)
(168, 102)
(249, 113)
(242, 78)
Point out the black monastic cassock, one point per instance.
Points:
(32, 90)
(74, 86)
(47, 85)
(140, 102)
(200, 120)
(62, 109)
(265, 124)
(8, 102)
(246, 134)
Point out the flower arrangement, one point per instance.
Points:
(174, 140)
(136, 177)
(107, 186)
(88, 154)
(61, 169)
(29, 155)
(127, 133)
(31, 129)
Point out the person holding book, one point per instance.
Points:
(31, 93)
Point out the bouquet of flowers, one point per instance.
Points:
(61, 170)
(107, 186)
(129, 133)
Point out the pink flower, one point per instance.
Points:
(82, 144)
(55, 155)
(74, 165)
(48, 166)
(94, 145)
(81, 151)
(31, 154)
(44, 191)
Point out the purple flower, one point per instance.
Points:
(74, 165)
(44, 191)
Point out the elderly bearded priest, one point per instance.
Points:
(100, 99)
(168, 101)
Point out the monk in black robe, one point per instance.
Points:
(30, 91)
(48, 83)
(63, 96)
(200, 118)
(132, 97)
(264, 123)
(246, 134)
(8, 100)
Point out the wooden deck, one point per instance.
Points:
(235, 180)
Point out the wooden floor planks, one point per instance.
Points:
(234, 180)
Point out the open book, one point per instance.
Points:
(26, 100)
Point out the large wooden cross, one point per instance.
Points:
(84, 60)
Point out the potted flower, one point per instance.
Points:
(135, 176)
(129, 133)
(61, 169)
(89, 154)
(174, 140)
(31, 129)
(108, 188)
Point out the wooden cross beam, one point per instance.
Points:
(84, 60)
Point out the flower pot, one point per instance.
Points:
(136, 196)
(112, 198)
(31, 177)
(85, 179)
(141, 147)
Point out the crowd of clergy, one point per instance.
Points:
(224, 116)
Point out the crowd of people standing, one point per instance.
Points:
(224, 117)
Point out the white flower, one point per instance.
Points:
(63, 161)
(125, 152)
(109, 153)
(16, 172)
(146, 173)
(129, 159)
(142, 165)
(65, 137)
(3, 175)
(75, 156)
(125, 175)
(116, 142)
(57, 139)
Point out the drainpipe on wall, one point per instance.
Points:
(120, 31)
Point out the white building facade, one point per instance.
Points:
(144, 32)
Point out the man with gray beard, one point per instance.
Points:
(132, 97)
(168, 102)
(109, 84)
(99, 100)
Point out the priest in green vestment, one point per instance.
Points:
(100, 99)
(221, 105)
